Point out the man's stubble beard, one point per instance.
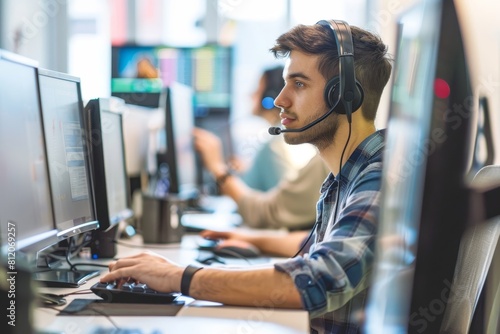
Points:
(320, 135)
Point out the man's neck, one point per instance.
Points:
(332, 154)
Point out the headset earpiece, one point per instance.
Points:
(344, 88)
(332, 91)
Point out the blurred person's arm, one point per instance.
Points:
(292, 204)
(285, 245)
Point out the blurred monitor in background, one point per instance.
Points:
(113, 207)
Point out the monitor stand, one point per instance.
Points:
(64, 278)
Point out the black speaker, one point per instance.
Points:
(103, 245)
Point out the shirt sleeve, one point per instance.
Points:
(292, 204)
(339, 267)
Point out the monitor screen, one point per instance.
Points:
(68, 158)
(424, 198)
(108, 163)
(179, 124)
(25, 205)
(140, 73)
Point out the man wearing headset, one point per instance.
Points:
(330, 278)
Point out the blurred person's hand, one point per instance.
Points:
(238, 164)
(210, 148)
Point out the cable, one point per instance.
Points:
(222, 252)
(68, 252)
(106, 316)
(340, 172)
(338, 194)
(78, 292)
(74, 265)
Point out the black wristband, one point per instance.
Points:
(187, 276)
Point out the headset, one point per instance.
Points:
(344, 87)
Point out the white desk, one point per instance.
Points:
(194, 317)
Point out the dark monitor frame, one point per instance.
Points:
(79, 227)
(171, 154)
(93, 112)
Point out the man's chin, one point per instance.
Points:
(293, 138)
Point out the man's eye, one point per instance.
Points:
(299, 84)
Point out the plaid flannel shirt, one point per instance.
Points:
(333, 274)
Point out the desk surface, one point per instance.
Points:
(194, 317)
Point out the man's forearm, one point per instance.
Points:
(237, 287)
(280, 245)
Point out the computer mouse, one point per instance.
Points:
(236, 249)
(207, 244)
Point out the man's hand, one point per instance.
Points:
(231, 238)
(157, 272)
(208, 234)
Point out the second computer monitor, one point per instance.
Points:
(105, 133)
(68, 158)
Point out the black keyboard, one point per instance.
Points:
(132, 293)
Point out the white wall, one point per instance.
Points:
(37, 30)
(482, 43)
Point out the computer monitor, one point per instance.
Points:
(180, 154)
(425, 206)
(139, 73)
(67, 153)
(26, 219)
(112, 200)
(69, 168)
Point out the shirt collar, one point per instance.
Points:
(370, 146)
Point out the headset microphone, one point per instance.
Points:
(277, 130)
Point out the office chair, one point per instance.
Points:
(477, 248)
